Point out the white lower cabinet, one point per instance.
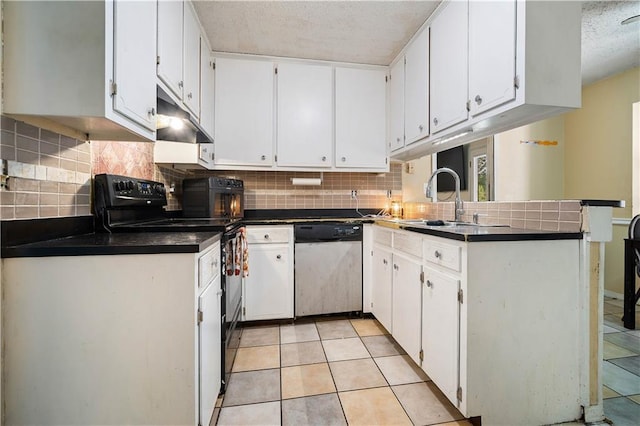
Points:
(381, 289)
(407, 304)
(130, 339)
(440, 330)
(209, 350)
(268, 290)
(498, 322)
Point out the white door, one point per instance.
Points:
(396, 106)
(492, 54)
(381, 288)
(305, 115)
(269, 286)
(191, 56)
(135, 63)
(440, 331)
(207, 79)
(210, 349)
(244, 112)
(449, 66)
(360, 118)
(170, 22)
(407, 305)
(416, 89)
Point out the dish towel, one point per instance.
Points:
(229, 255)
(241, 261)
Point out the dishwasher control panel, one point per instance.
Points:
(326, 232)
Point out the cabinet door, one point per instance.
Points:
(170, 22)
(407, 305)
(209, 349)
(416, 89)
(305, 115)
(269, 286)
(381, 292)
(396, 106)
(134, 63)
(191, 56)
(449, 68)
(360, 118)
(440, 331)
(492, 54)
(244, 112)
(207, 75)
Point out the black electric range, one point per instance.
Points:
(127, 204)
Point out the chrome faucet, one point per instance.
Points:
(458, 202)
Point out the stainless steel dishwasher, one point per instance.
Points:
(328, 268)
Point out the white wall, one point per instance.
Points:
(530, 171)
(412, 183)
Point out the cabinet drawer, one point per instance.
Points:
(209, 266)
(410, 244)
(268, 234)
(382, 236)
(442, 254)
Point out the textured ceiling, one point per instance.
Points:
(374, 32)
(607, 46)
(370, 32)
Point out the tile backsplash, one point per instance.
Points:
(565, 216)
(274, 190)
(49, 174)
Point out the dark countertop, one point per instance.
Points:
(113, 244)
(481, 233)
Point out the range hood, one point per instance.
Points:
(176, 124)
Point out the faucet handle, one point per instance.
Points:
(476, 216)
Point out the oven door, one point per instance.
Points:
(232, 293)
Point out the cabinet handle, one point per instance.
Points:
(343, 159)
(395, 267)
(190, 95)
(429, 283)
(279, 257)
(180, 84)
(437, 254)
(152, 112)
(397, 139)
(384, 261)
(324, 158)
(435, 121)
(264, 157)
(266, 236)
(421, 128)
(478, 99)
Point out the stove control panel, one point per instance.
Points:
(124, 191)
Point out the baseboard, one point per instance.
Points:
(613, 295)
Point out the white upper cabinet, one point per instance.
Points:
(449, 68)
(191, 57)
(133, 64)
(522, 62)
(396, 105)
(170, 46)
(416, 88)
(492, 54)
(207, 89)
(299, 115)
(74, 63)
(305, 115)
(360, 118)
(179, 51)
(244, 112)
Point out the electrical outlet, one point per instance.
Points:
(354, 193)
